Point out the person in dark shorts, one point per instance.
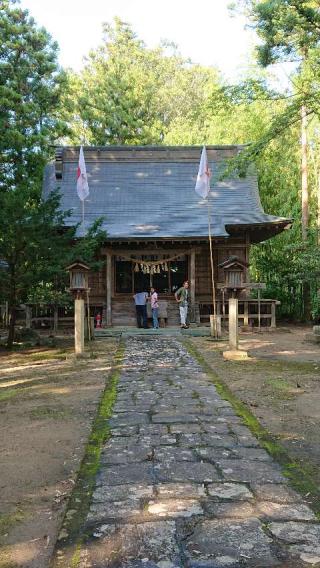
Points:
(140, 300)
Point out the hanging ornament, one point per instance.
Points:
(151, 269)
(147, 270)
(158, 269)
(166, 267)
(136, 267)
(163, 267)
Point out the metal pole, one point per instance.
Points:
(259, 311)
(212, 274)
(83, 211)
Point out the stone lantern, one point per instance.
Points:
(79, 287)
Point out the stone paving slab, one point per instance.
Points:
(183, 483)
(117, 545)
(224, 543)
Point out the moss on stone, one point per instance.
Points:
(299, 476)
(72, 530)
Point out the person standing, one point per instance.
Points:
(182, 297)
(154, 307)
(140, 300)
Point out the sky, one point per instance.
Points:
(202, 29)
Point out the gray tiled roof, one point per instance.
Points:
(156, 198)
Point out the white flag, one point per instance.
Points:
(82, 180)
(203, 177)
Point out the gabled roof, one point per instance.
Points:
(233, 261)
(147, 192)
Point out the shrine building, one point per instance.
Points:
(157, 228)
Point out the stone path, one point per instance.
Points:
(183, 483)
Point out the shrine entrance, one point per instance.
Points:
(165, 274)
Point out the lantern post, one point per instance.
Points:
(79, 287)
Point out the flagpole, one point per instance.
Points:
(203, 189)
(212, 273)
(82, 182)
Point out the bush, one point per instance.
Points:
(27, 335)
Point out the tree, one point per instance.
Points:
(35, 244)
(30, 89)
(289, 29)
(31, 84)
(130, 94)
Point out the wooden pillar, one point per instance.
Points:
(215, 326)
(234, 353)
(109, 288)
(273, 315)
(79, 326)
(246, 314)
(247, 253)
(233, 324)
(28, 317)
(192, 277)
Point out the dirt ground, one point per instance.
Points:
(47, 404)
(281, 386)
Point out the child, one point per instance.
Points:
(154, 307)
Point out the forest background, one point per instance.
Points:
(128, 93)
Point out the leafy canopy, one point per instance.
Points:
(130, 94)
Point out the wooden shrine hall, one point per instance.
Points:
(157, 228)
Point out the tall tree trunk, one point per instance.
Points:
(305, 203)
(12, 323)
(318, 207)
(55, 319)
(304, 175)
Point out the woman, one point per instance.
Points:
(154, 307)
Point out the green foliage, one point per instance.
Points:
(288, 28)
(35, 243)
(30, 88)
(130, 94)
(37, 246)
(289, 31)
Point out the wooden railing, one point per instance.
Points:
(251, 312)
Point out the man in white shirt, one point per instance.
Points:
(140, 300)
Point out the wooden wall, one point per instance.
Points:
(220, 254)
(97, 285)
(122, 306)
